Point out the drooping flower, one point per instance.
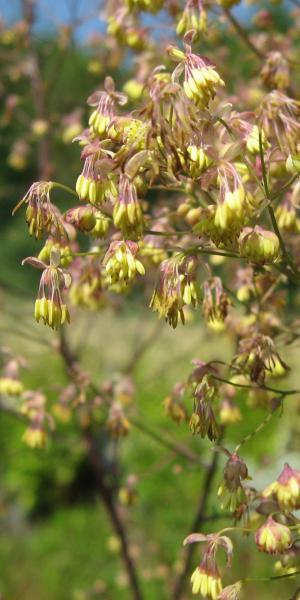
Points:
(232, 207)
(286, 489)
(34, 408)
(206, 579)
(286, 215)
(87, 288)
(273, 537)
(231, 489)
(199, 160)
(249, 131)
(275, 72)
(95, 184)
(127, 213)
(120, 261)
(215, 304)
(279, 118)
(41, 215)
(193, 17)
(200, 79)
(49, 305)
(203, 420)
(101, 118)
(257, 356)
(176, 288)
(259, 245)
(231, 592)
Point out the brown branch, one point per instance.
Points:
(107, 496)
(177, 449)
(105, 489)
(199, 519)
(243, 34)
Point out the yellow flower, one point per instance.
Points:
(273, 537)
(120, 262)
(10, 387)
(52, 313)
(209, 585)
(35, 436)
(259, 245)
(229, 413)
(286, 489)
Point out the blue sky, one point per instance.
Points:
(52, 12)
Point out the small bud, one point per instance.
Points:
(82, 217)
(259, 245)
(292, 164)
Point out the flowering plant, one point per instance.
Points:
(188, 193)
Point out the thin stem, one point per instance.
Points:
(166, 233)
(198, 520)
(71, 254)
(261, 426)
(276, 230)
(210, 251)
(272, 578)
(269, 198)
(107, 497)
(256, 387)
(263, 166)
(167, 443)
(66, 188)
(101, 474)
(285, 187)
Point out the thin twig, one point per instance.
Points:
(199, 519)
(105, 489)
(243, 34)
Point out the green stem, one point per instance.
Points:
(261, 426)
(256, 387)
(209, 251)
(284, 251)
(66, 188)
(263, 165)
(166, 233)
(285, 187)
(272, 578)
